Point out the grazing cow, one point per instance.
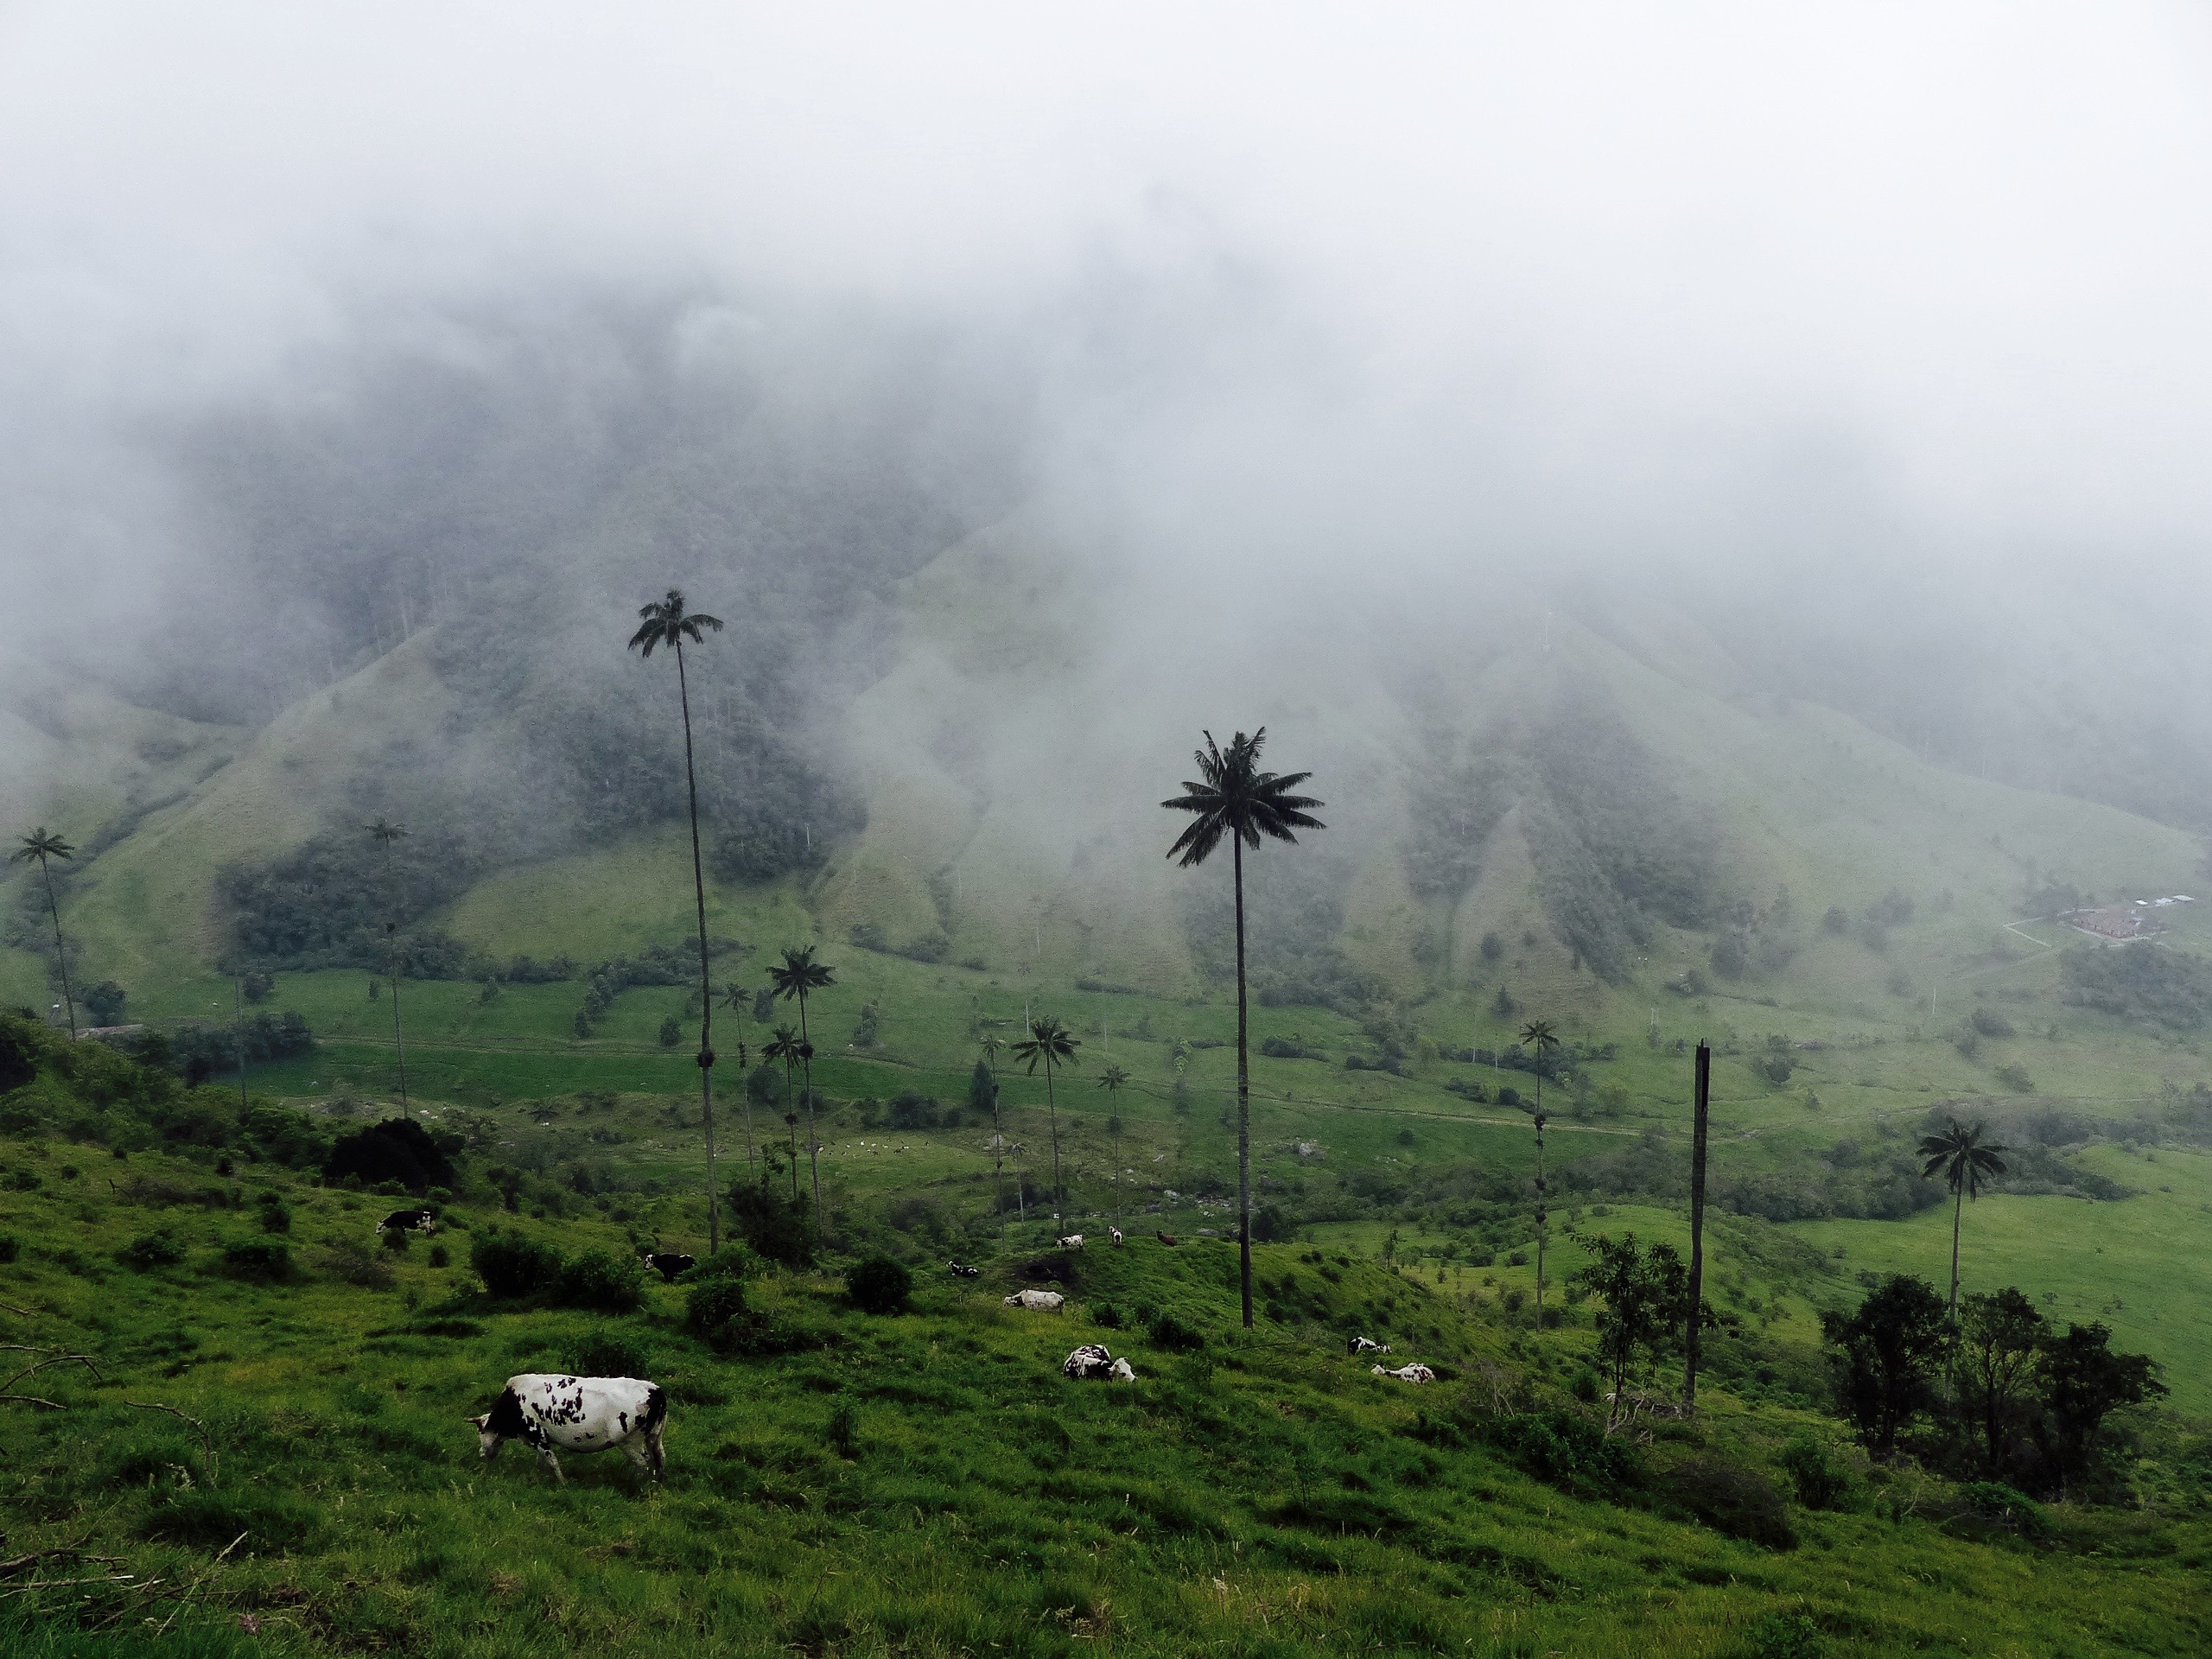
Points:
(1047, 1301)
(1114, 1233)
(1414, 1372)
(959, 1271)
(1359, 1345)
(1072, 1242)
(1164, 1238)
(577, 1413)
(668, 1266)
(406, 1221)
(1091, 1362)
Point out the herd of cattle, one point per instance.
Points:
(551, 1413)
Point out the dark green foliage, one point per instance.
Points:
(2172, 989)
(772, 1224)
(983, 1089)
(263, 1261)
(1886, 1357)
(2000, 1336)
(671, 1032)
(212, 1519)
(880, 1285)
(275, 1217)
(10, 1248)
(609, 1353)
(324, 902)
(512, 1266)
(1784, 1635)
(1643, 1301)
(17, 1065)
(1819, 1477)
(256, 986)
(603, 1283)
(1995, 1505)
(843, 1431)
(1731, 1499)
(104, 1003)
(197, 1052)
(1565, 1449)
(398, 1150)
(356, 1264)
(2083, 1382)
(711, 1306)
(149, 1250)
(441, 1257)
(395, 1240)
(1165, 1331)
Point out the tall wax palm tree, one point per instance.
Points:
(737, 999)
(785, 1046)
(1049, 1045)
(797, 975)
(1113, 1080)
(1233, 799)
(42, 846)
(1539, 1035)
(991, 1044)
(666, 622)
(384, 832)
(1964, 1160)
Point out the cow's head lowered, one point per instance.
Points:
(504, 1423)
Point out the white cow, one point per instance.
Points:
(1072, 1242)
(1115, 1233)
(1415, 1372)
(548, 1412)
(1359, 1345)
(1048, 1301)
(1092, 1362)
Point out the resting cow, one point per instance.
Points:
(577, 1413)
(1048, 1301)
(1414, 1372)
(1359, 1345)
(1164, 1238)
(1091, 1362)
(668, 1266)
(1072, 1242)
(407, 1221)
(959, 1271)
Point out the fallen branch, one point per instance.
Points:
(36, 1555)
(193, 1587)
(206, 1440)
(86, 1360)
(33, 1399)
(20, 1313)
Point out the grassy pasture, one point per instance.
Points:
(1262, 1496)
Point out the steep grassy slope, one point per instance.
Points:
(920, 1483)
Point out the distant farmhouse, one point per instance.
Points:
(2127, 922)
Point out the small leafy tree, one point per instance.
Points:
(1886, 1355)
(2084, 1382)
(1641, 1294)
(2000, 1337)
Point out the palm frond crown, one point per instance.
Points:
(799, 973)
(384, 832)
(1962, 1157)
(784, 1045)
(1232, 797)
(666, 622)
(41, 844)
(1049, 1044)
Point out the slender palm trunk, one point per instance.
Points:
(813, 1139)
(1542, 1227)
(1958, 1213)
(1243, 1107)
(238, 1004)
(706, 991)
(1052, 1112)
(998, 1145)
(60, 953)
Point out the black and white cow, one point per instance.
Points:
(1114, 1233)
(547, 1412)
(1072, 1242)
(1092, 1363)
(668, 1266)
(407, 1221)
(959, 1271)
(1359, 1345)
(1413, 1372)
(1043, 1301)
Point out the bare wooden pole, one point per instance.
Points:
(1700, 1117)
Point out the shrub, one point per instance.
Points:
(1819, 1477)
(10, 1247)
(712, 1305)
(262, 1259)
(441, 1257)
(1565, 1449)
(605, 1283)
(880, 1285)
(778, 1228)
(608, 1353)
(1784, 1635)
(1997, 1504)
(1107, 1314)
(510, 1265)
(147, 1250)
(395, 1240)
(275, 1218)
(844, 1428)
(397, 1150)
(1731, 1499)
(1167, 1331)
(356, 1264)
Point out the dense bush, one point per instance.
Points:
(1731, 1499)
(778, 1228)
(1565, 1449)
(149, 1250)
(398, 1150)
(356, 1264)
(1165, 1331)
(2171, 988)
(602, 1282)
(1818, 1476)
(264, 1261)
(880, 1285)
(510, 1265)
